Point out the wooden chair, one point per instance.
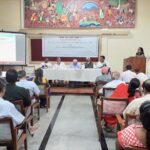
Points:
(107, 92)
(135, 148)
(10, 136)
(130, 119)
(96, 90)
(35, 104)
(44, 93)
(97, 87)
(26, 111)
(103, 105)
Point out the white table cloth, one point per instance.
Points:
(72, 74)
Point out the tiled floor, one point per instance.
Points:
(69, 125)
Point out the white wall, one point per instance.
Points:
(114, 47)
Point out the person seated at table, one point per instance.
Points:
(75, 64)
(136, 134)
(140, 51)
(102, 62)
(46, 64)
(14, 92)
(30, 85)
(41, 79)
(59, 64)
(88, 63)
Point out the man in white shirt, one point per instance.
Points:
(141, 76)
(46, 64)
(102, 62)
(128, 74)
(30, 85)
(133, 107)
(59, 64)
(7, 109)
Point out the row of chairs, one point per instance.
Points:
(14, 137)
(101, 100)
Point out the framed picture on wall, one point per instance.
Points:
(79, 13)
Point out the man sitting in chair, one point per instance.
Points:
(14, 92)
(30, 85)
(7, 109)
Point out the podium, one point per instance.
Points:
(138, 62)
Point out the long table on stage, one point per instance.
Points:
(72, 74)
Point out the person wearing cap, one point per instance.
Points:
(104, 77)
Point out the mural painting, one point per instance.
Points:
(79, 13)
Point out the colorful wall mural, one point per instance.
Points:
(79, 13)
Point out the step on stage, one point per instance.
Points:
(69, 90)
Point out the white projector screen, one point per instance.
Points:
(12, 48)
(70, 46)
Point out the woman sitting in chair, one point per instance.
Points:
(41, 81)
(39, 78)
(137, 135)
(122, 91)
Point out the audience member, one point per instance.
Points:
(46, 64)
(75, 64)
(103, 78)
(115, 80)
(7, 109)
(128, 74)
(30, 85)
(14, 92)
(59, 64)
(102, 62)
(140, 52)
(122, 91)
(141, 76)
(40, 79)
(88, 63)
(136, 134)
(114, 83)
(134, 89)
(133, 107)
